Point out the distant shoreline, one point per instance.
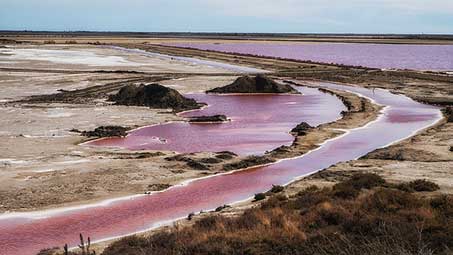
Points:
(293, 37)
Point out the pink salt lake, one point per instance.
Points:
(384, 56)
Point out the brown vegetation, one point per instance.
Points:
(418, 186)
(378, 220)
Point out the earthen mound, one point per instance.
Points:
(301, 129)
(257, 84)
(154, 96)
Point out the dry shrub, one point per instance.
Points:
(345, 191)
(419, 186)
(390, 201)
(274, 201)
(351, 188)
(364, 181)
(309, 197)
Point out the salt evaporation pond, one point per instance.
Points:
(27, 233)
(65, 57)
(383, 56)
(257, 124)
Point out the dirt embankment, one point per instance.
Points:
(257, 84)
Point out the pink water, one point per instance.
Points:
(257, 124)
(28, 232)
(383, 56)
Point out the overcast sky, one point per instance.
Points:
(304, 16)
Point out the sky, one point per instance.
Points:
(261, 16)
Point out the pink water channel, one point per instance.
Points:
(383, 56)
(26, 233)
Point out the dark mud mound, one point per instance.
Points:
(301, 129)
(153, 96)
(258, 84)
(107, 131)
(208, 119)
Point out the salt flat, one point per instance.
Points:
(88, 57)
